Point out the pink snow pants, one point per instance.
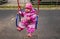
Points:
(30, 27)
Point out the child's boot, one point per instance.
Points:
(29, 35)
(19, 29)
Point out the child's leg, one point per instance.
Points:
(30, 29)
(20, 26)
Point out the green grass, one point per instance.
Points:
(8, 6)
(41, 6)
(46, 6)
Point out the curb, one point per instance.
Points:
(35, 8)
(8, 8)
(49, 8)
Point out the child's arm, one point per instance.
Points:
(33, 16)
(21, 13)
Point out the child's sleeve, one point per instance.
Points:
(33, 16)
(21, 13)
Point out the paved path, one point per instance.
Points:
(48, 27)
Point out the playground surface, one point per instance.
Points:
(48, 25)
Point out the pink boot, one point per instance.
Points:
(29, 35)
(19, 29)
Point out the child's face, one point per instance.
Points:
(27, 10)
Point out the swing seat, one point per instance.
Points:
(36, 22)
(18, 18)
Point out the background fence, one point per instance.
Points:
(47, 2)
(44, 2)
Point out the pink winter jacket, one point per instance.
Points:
(28, 17)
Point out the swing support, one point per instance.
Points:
(19, 7)
(37, 15)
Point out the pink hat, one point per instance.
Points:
(28, 5)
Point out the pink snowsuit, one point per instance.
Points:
(28, 20)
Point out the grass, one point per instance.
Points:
(8, 6)
(46, 6)
(41, 6)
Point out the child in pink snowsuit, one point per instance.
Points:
(28, 19)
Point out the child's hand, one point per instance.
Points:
(20, 12)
